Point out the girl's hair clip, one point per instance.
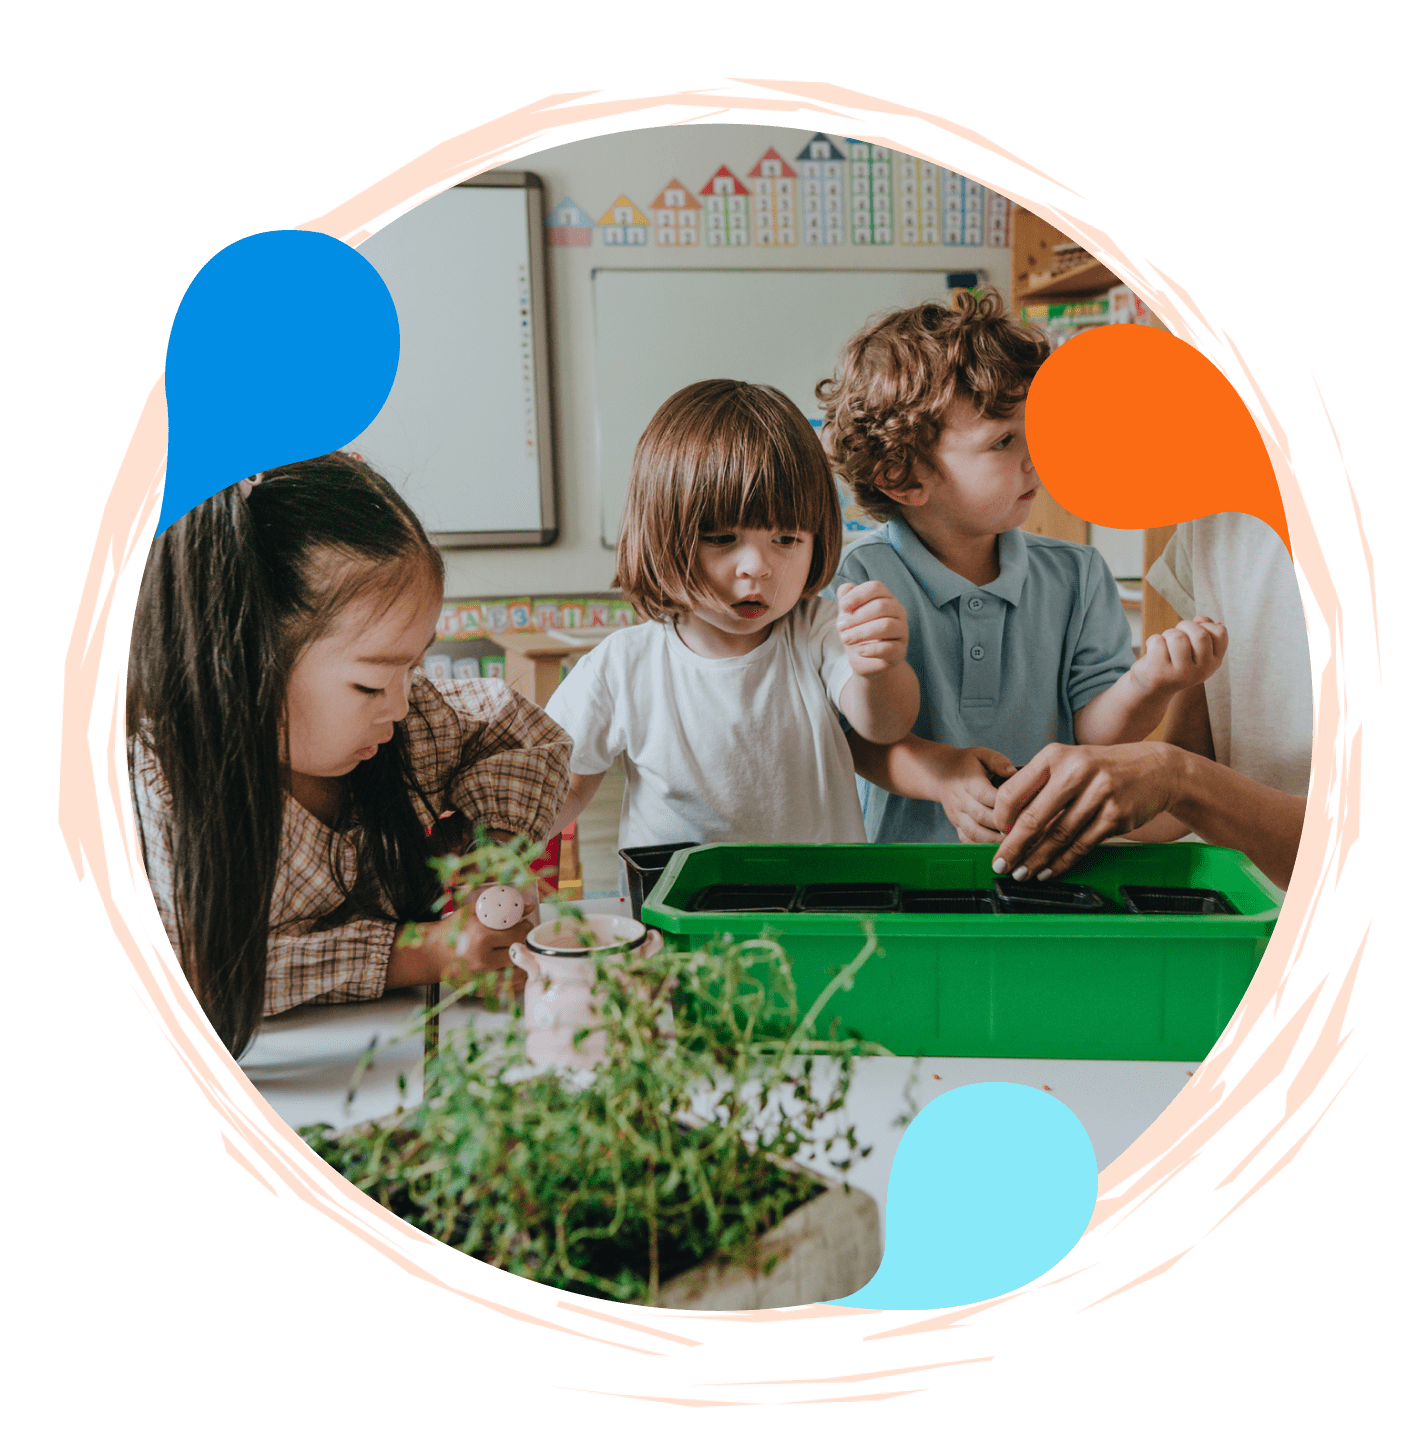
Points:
(245, 486)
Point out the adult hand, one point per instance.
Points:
(873, 626)
(1069, 799)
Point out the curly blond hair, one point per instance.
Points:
(899, 376)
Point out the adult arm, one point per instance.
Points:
(1068, 800)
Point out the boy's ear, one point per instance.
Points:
(902, 487)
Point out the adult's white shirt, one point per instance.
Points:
(745, 749)
(1235, 568)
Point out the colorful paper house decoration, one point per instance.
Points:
(676, 215)
(822, 179)
(998, 221)
(726, 202)
(952, 207)
(973, 200)
(918, 200)
(569, 223)
(623, 223)
(773, 200)
(871, 197)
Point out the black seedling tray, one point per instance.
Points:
(946, 900)
(1035, 897)
(644, 866)
(848, 897)
(742, 897)
(1176, 902)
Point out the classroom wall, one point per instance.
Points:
(594, 173)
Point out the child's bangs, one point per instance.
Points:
(758, 483)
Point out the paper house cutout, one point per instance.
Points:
(726, 205)
(822, 179)
(870, 195)
(773, 200)
(918, 200)
(623, 223)
(676, 215)
(569, 223)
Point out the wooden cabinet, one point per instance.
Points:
(1042, 274)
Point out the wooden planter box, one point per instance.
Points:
(827, 1248)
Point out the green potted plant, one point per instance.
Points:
(668, 1174)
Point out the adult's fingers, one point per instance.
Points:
(1032, 825)
(1017, 793)
(1091, 834)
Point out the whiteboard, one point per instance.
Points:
(466, 433)
(659, 330)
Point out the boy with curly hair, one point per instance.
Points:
(1018, 640)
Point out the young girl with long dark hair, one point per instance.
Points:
(293, 769)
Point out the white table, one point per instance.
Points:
(302, 1063)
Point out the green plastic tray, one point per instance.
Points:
(1111, 985)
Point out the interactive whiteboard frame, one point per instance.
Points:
(547, 531)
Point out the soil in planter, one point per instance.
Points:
(683, 1242)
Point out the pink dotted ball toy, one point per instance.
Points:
(499, 907)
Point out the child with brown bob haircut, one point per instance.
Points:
(725, 706)
(1018, 640)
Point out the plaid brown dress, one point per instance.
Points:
(493, 756)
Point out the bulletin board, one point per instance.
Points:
(466, 434)
(659, 330)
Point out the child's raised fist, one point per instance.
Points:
(1180, 657)
(873, 626)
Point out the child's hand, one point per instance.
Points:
(967, 792)
(1181, 657)
(478, 948)
(873, 625)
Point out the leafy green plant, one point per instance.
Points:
(678, 1147)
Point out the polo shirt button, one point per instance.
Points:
(977, 650)
(975, 604)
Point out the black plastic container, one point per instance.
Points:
(1176, 902)
(740, 897)
(1034, 897)
(946, 900)
(848, 897)
(644, 866)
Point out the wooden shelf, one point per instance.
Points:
(1090, 277)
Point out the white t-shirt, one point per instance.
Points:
(745, 750)
(1235, 568)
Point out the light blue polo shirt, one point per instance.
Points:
(1003, 666)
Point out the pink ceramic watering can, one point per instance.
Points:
(558, 1000)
